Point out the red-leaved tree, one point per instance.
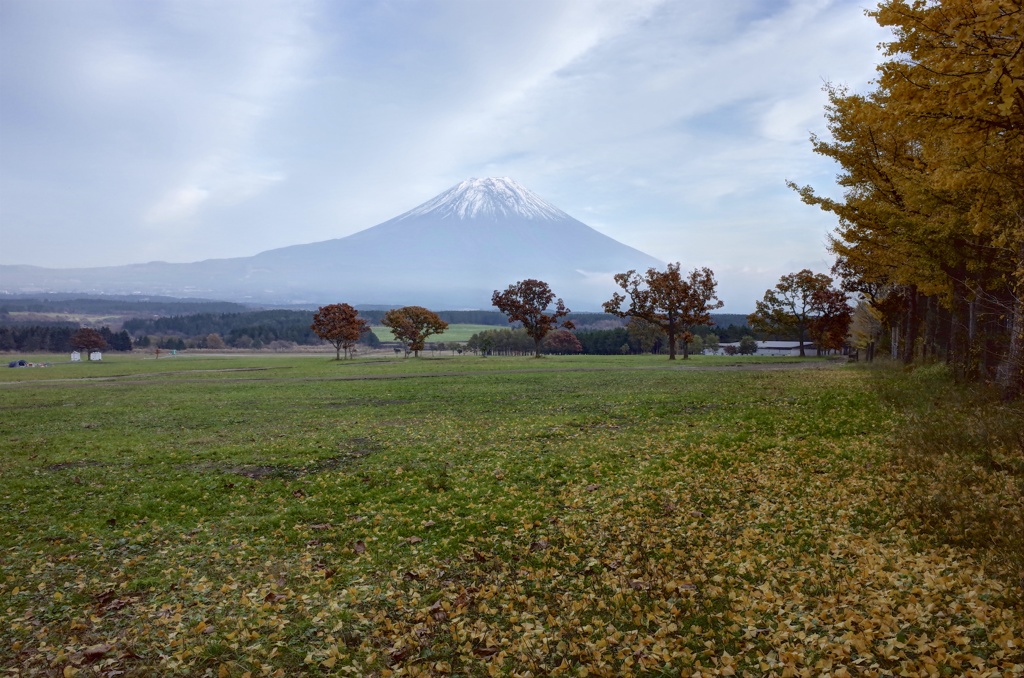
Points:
(667, 300)
(525, 302)
(88, 340)
(340, 326)
(562, 342)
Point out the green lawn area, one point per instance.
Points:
(620, 515)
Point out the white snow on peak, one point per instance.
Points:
(492, 197)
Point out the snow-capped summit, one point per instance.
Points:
(453, 251)
(494, 197)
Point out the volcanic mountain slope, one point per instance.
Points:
(450, 252)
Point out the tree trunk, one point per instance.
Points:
(536, 348)
(671, 343)
(1011, 374)
(929, 327)
(959, 343)
(910, 332)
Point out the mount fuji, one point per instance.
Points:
(450, 252)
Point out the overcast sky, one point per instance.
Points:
(181, 130)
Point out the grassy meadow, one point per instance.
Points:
(269, 515)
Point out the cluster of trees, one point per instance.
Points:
(239, 330)
(57, 338)
(931, 223)
(663, 307)
(341, 326)
(516, 342)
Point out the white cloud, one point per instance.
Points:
(178, 205)
(670, 126)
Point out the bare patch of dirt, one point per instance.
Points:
(65, 465)
(350, 450)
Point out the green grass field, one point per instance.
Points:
(266, 515)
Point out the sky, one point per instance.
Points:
(182, 130)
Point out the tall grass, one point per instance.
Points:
(960, 452)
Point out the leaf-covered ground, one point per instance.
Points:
(570, 516)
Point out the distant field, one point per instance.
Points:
(584, 515)
(453, 333)
(89, 319)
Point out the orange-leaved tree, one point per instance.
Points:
(667, 300)
(803, 303)
(340, 326)
(411, 325)
(526, 302)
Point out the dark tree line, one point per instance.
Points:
(592, 342)
(55, 338)
(236, 329)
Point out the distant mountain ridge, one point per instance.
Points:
(450, 252)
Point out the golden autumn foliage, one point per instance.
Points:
(607, 516)
(931, 226)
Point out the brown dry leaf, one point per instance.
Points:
(359, 546)
(399, 654)
(485, 651)
(414, 540)
(96, 651)
(320, 526)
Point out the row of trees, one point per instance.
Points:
(665, 308)
(519, 342)
(60, 338)
(240, 330)
(617, 341)
(931, 222)
(341, 326)
(665, 301)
